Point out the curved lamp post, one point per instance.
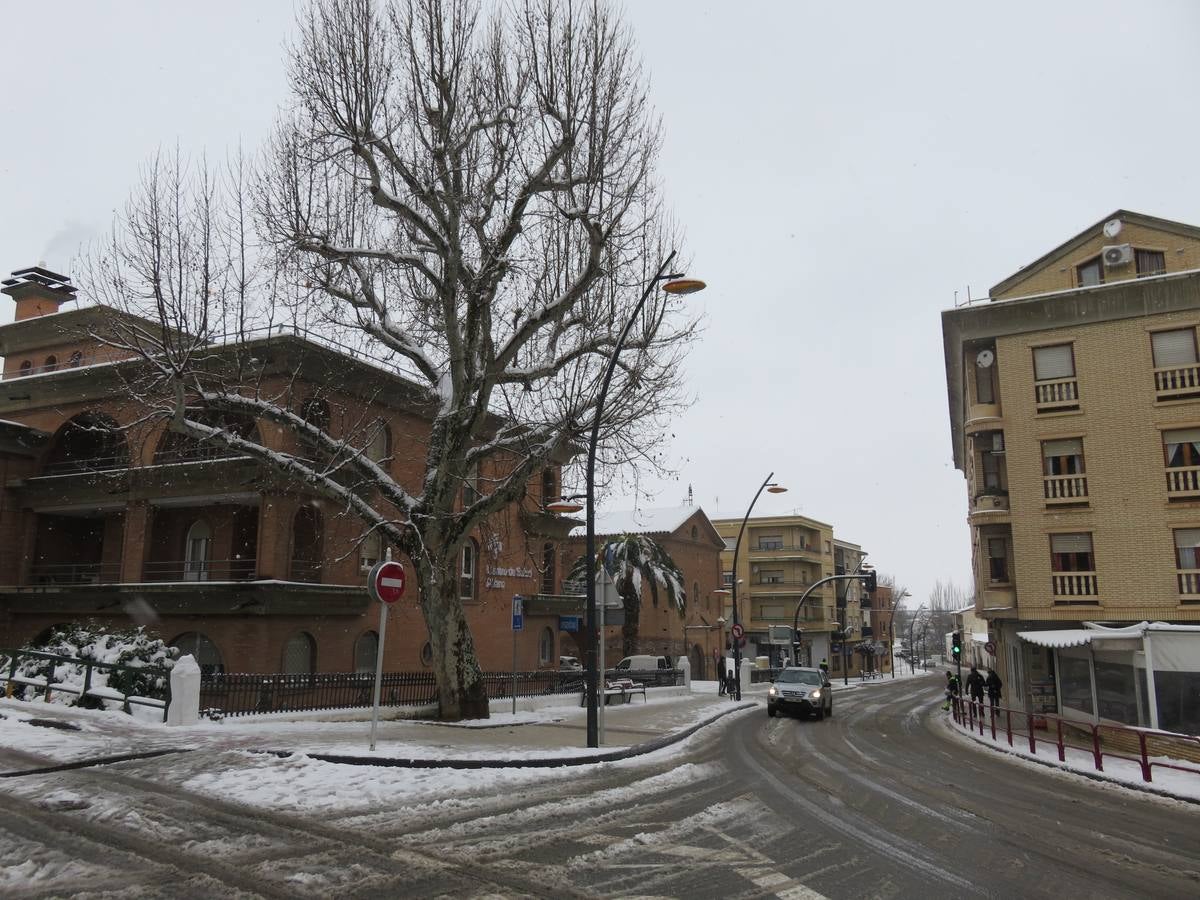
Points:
(675, 284)
(896, 601)
(771, 488)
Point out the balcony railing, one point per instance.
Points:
(1189, 584)
(1177, 381)
(1074, 584)
(1065, 488)
(308, 571)
(1183, 482)
(1059, 393)
(200, 570)
(786, 546)
(91, 464)
(75, 573)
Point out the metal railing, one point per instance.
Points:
(1152, 745)
(305, 570)
(51, 679)
(88, 464)
(249, 694)
(74, 573)
(777, 546)
(200, 570)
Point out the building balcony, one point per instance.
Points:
(990, 506)
(1189, 585)
(999, 596)
(1056, 395)
(1183, 483)
(1177, 382)
(784, 550)
(200, 570)
(74, 573)
(1070, 585)
(1062, 490)
(783, 586)
(982, 417)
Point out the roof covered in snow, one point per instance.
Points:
(661, 520)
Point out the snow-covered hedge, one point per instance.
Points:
(127, 647)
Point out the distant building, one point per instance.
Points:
(1075, 417)
(690, 539)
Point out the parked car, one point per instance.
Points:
(569, 664)
(644, 663)
(803, 690)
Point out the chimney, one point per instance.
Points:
(37, 291)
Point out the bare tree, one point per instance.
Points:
(469, 197)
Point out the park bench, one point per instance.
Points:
(619, 690)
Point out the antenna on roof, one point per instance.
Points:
(691, 500)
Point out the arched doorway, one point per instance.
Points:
(207, 656)
(698, 663)
(307, 545)
(197, 551)
(300, 654)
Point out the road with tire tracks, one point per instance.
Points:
(877, 801)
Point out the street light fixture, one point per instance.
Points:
(677, 285)
(772, 488)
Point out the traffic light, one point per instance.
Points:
(870, 582)
(956, 646)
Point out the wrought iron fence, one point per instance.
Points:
(248, 694)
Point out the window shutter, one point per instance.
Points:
(1174, 348)
(1070, 543)
(1187, 538)
(1066, 447)
(1182, 436)
(1053, 362)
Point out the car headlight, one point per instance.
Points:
(816, 695)
(772, 691)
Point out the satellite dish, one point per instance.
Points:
(1112, 228)
(985, 358)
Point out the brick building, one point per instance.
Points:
(1075, 417)
(690, 539)
(108, 516)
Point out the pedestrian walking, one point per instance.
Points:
(993, 684)
(953, 688)
(722, 682)
(975, 689)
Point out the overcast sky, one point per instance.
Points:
(842, 171)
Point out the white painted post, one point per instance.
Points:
(744, 674)
(683, 663)
(1151, 690)
(185, 692)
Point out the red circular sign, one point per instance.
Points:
(386, 582)
(738, 630)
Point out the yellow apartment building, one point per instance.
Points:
(1074, 400)
(780, 558)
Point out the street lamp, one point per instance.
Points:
(891, 635)
(678, 285)
(771, 488)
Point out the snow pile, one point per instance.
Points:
(126, 647)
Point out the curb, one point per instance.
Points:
(101, 761)
(534, 763)
(1143, 788)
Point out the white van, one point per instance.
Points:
(644, 663)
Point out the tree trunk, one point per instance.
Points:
(629, 631)
(461, 691)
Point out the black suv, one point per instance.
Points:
(798, 689)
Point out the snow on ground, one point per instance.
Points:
(1179, 784)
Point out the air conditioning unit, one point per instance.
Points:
(1117, 255)
(997, 442)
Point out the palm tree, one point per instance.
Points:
(630, 560)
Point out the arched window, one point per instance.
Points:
(89, 442)
(548, 569)
(549, 486)
(300, 654)
(307, 545)
(204, 650)
(197, 547)
(470, 563)
(546, 647)
(427, 654)
(50, 364)
(379, 441)
(695, 593)
(26, 367)
(695, 532)
(75, 359)
(366, 649)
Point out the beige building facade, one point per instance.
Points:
(1075, 418)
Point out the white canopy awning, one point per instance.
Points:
(1077, 637)
(979, 637)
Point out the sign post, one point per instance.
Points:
(518, 624)
(385, 584)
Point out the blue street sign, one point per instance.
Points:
(518, 613)
(570, 623)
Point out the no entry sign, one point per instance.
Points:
(738, 630)
(386, 582)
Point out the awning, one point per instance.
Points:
(979, 637)
(1077, 637)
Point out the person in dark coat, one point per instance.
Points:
(953, 688)
(722, 682)
(975, 689)
(993, 686)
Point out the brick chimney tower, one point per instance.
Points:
(37, 291)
